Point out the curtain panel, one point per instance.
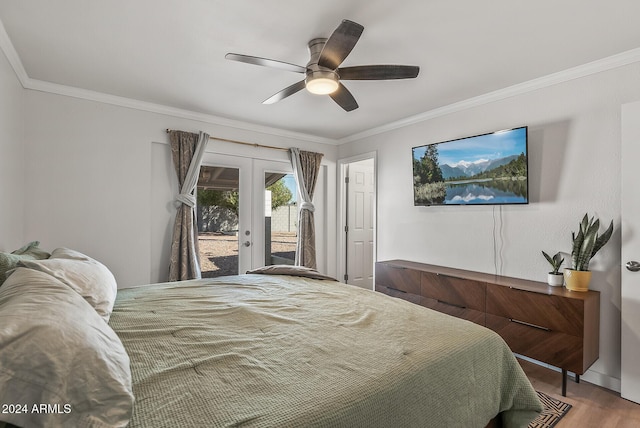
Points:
(306, 167)
(187, 150)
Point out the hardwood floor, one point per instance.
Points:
(593, 406)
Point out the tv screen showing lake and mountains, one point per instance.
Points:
(488, 169)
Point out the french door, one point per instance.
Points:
(235, 236)
(275, 217)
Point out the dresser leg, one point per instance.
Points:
(564, 382)
(577, 378)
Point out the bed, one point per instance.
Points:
(268, 350)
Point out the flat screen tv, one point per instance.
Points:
(488, 169)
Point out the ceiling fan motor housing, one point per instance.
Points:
(319, 80)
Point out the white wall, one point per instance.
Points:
(101, 180)
(12, 166)
(574, 164)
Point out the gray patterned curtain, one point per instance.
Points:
(306, 166)
(187, 150)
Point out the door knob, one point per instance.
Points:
(247, 244)
(633, 266)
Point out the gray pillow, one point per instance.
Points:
(9, 261)
(55, 349)
(291, 271)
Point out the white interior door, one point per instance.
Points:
(360, 223)
(630, 305)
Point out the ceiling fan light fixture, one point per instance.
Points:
(321, 82)
(322, 86)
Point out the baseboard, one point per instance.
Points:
(602, 380)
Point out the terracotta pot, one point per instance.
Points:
(555, 279)
(576, 280)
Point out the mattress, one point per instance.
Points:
(282, 351)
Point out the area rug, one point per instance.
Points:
(553, 411)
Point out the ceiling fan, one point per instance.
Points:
(323, 74)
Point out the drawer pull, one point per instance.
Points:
(539, 327)
(395, 289)
(451, 304)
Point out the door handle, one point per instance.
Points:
(247, 243)
(633, 266)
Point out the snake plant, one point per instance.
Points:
(587, 242)
(555, 261)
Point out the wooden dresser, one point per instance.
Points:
(549, 324)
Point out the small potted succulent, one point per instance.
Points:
(586, 243)
(554, 278)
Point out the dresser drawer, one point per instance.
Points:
(456, 311)
(398, 277)
(553, 347)
(410, 297)
(556, 313)
(449, 290)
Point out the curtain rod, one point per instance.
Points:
(211, 137)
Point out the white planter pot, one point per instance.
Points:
(555, 280)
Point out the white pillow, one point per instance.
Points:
(88, 277)
(57, 351)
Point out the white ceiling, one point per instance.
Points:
(171, 52)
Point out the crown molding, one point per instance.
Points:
(39, 85)
(70, 91)
(608, 63)
(12, 56)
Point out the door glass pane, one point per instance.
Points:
(280, 218)
(217, 212)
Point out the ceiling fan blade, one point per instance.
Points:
(265, 62)
(378, 72)
(340, 44)
(289, 90)
(343, 97)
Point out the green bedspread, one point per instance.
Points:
(278, 351)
